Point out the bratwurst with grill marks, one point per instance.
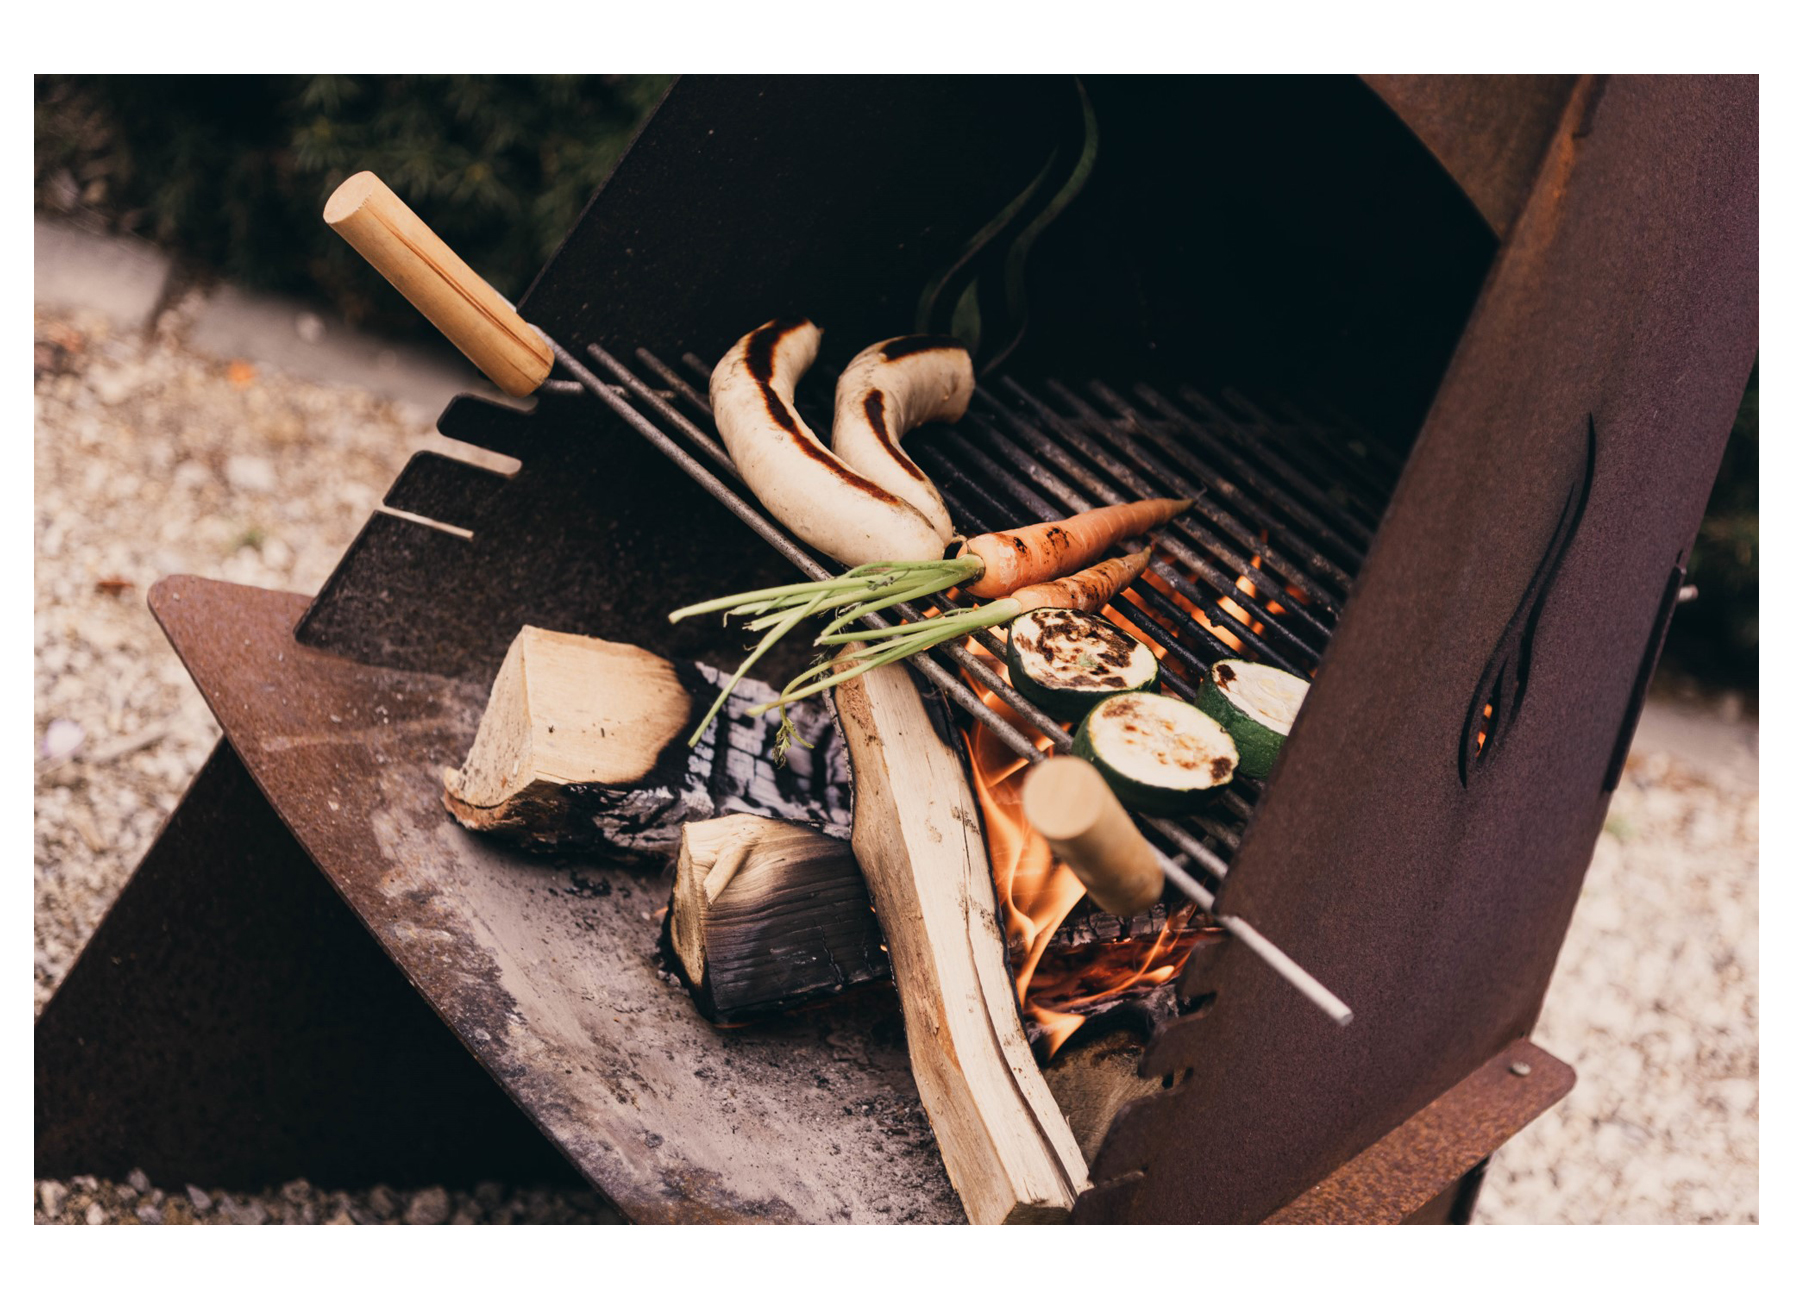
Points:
(889, 389)
(836, 509)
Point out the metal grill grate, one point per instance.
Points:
(1261, 516)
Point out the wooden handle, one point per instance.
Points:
(1069, 802)
(419, 265)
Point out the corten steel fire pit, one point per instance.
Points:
(1450, 361)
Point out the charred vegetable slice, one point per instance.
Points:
(1158, 754)
(1068, 662)
(1257, 705)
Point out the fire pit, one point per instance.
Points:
(1502, 353)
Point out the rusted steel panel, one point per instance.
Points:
(547, 970)
(230, 1023)
(596, 533)
(1489, 132)
(1401, 1173)
(1626, 296)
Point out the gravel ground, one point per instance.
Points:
(153, 459)
(1654, 1000)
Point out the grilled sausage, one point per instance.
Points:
(886, 391)
(803, 484)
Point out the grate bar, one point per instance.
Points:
(1372, 467)
(932, 459)
(1317, 563)
(1255, 483)
(1253, 427)
(1214, 417)
(1120, 473)
(1255, 446)
(998, 476)
(1286, 568)
(1168, 544)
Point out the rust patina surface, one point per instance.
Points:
(548, 971)
(1398, 1175)
(1624, 301)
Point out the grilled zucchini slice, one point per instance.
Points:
(1257, 704)
(1068, 662)
(1158, 754)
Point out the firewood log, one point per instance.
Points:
(582, 746)
(768, 915)
(920, 842)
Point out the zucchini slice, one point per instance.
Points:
(1158, 754)
(1068, 662)
(1257, 704)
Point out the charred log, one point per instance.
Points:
(768, 915)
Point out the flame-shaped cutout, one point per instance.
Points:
(1501, 689)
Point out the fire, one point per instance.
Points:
(1036, 894)
(1221, 631)
(1226, 635)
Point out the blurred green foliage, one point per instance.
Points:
(1715, 637)
(232, 171)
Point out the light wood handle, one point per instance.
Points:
(473, 315)
(1089, 831)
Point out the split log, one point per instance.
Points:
(800, 930)
(582, 746)
(919, 840)
(768, 915)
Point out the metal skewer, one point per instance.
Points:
(1273, 956)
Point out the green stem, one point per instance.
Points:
(873, 633)
(862, 590)
(914, 591)
(861, 583)
(920, 636)
(766, 643)
(855, 600)
(742, 598)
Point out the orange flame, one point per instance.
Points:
(1036, 893)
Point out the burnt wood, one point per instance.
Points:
(584, 747)
(792, 924)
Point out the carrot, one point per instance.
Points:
(1088, 591)
(1041, 552)
(989, 565)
